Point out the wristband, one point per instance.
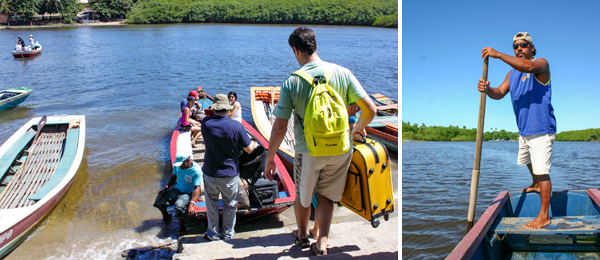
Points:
(352, 119)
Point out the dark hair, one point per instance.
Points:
(232, 93)
(303, 38)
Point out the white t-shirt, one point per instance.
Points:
(238, 114)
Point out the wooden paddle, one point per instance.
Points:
(475, 174)
(41, 125)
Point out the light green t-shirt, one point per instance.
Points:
(295, 94)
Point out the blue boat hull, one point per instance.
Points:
(499, 234)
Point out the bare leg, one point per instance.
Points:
(315, 229)
(166, 216)
(535, 185)
(302, 218)
(324, 214)
(195, 134)
(543, 218)
(182, 229)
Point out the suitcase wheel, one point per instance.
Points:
(375, 223)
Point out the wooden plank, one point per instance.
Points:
(386, 107)
(63, 167)
(560, 225)
(467, 246)
(11, 154)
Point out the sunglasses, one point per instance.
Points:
(523, 45)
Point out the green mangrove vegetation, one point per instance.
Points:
(454, 133)
(383, 13)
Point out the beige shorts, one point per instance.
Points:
(537, 150)
(324, 174)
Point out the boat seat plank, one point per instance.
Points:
(560, 225)
(63, 166)
(392, 106)
(11, 154)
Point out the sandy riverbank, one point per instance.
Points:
(118, 23)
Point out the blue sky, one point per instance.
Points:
(441, 59)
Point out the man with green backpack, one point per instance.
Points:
(316, 96)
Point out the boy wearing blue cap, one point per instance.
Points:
(182, 190)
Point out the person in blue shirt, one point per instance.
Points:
(223, 139)
(182, 190)
(530, 92)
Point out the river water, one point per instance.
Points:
(128, 82)
(436, 181)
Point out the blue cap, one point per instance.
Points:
(180, 157)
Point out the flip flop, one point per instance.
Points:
(300, 242)
(316, 251)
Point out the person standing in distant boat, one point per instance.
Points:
(32, 42)
(530, 92)
(236, 111)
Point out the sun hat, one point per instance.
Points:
(221, 102)
(523, 36)
(180, 157)
(194, 93)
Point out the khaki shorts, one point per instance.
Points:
(324, 174)
(537, 150)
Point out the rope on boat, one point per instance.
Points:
(503, 236)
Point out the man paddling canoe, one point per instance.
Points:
(531, 92)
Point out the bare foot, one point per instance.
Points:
(533, 187)
(538, 223)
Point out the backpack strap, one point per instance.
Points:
(313, 82)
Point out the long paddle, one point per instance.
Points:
(475, 174)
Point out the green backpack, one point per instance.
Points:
(326, 118)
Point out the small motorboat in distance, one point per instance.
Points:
(13, 96)
(28, 52)
(37, 166)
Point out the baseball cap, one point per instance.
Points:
(523, 36)
(180, 157)
(194, 93)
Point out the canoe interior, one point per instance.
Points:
(574, 232)
(263, 102)
(284, 197)
(28, 168)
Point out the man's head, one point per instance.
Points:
(221, 104)
(523, 45)
(194, 94)
(303, 39)
(183, 160)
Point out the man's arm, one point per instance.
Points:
(250, 147)
(369, 110)
(495, 93)
(170, 184)
(195, 194)
(539, 67)
(277, 135)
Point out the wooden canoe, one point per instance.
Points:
(13, 96)
(36, 173)
(287, 190)
(499, 233)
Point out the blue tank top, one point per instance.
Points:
(531, 103)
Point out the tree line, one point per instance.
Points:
(34, 11)
(455, 133)
(382, 13)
